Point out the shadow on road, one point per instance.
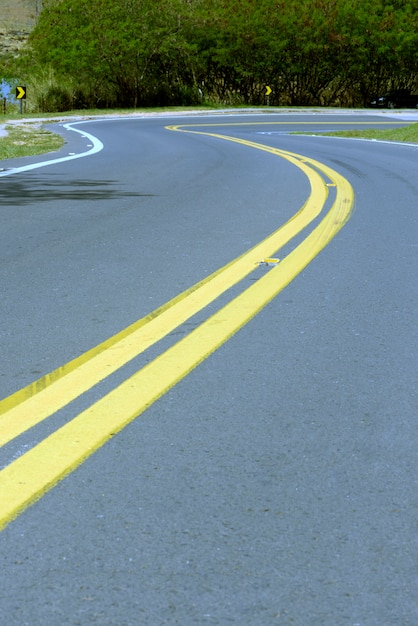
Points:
(23, 191)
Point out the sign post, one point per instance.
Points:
(268, 92)
(21, 95)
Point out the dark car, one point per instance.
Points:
(400, 98)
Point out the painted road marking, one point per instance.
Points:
(39, 400)
(30, 476)
(96, 146)
(302, 123)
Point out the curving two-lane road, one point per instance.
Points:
(209, 375)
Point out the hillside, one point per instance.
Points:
(17, 18)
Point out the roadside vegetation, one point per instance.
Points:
(407, 134)
(84, 54)
(27, 139)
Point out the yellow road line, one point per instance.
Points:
(39, 400)
(26, 479)
(29, 477)
(299, 123)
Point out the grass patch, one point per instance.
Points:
(13, 112)
(408, 134)
(28, 140)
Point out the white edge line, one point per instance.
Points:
(97, 147)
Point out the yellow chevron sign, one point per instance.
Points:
(268, 90)
(21, 93)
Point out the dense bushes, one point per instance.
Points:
(131, 53)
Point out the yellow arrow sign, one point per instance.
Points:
(268, 90)
(21, 93)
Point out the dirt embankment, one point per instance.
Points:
(17, 18)
(12, 41)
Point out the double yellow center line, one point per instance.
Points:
(27, 478)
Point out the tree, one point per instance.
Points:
(143, 52)
(124, 52)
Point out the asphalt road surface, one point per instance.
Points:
(208, 371)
